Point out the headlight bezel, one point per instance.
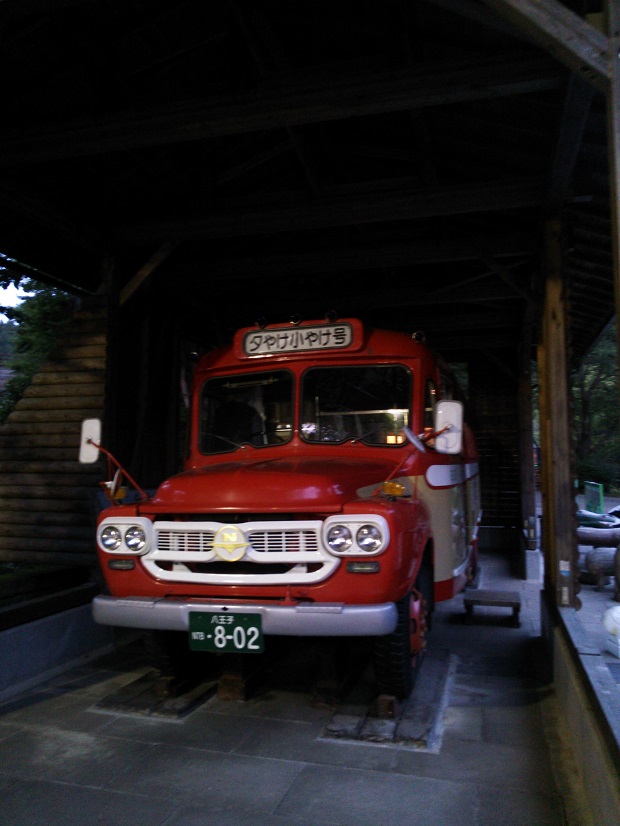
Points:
(124, 525)
(339, 534)
(373, 537)
(354, 524)
(110, 538)
(135, 538)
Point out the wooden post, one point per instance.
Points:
(558, 496)
(545, 472)
(526, 443)
(613, 141)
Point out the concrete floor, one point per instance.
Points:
(497, 754)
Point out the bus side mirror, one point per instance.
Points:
(91, 432)
(449, 427)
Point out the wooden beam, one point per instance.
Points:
(145, 272)
(485, 344)
(450, 287)
(294, 101)
(249, 161)
(486, 296)
(468, 321)
(380, 253)
(295, 138)
(506, 276)
(613, 142)
(18, 8)
(577, 100)
(245, 218)
(565, 35)
(471, 10)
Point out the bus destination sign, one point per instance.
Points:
(297, 339)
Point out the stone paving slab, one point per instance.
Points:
(65, 760)
(35, 803)
(417, 722)
(362, 798)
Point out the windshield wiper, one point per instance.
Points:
(224, 439)
(365, 435)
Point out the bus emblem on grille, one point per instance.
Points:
(229, 543)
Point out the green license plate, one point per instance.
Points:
(223, 632)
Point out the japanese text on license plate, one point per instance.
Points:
(221, 631)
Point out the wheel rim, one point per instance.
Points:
(417, 626)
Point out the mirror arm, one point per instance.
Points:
(436, 433)
(143, 495)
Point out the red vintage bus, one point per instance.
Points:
(330, 489)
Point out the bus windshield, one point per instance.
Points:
(369, 403)
(255, 409)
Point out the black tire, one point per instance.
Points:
(425, 584)
(395, 662)
(393, 657)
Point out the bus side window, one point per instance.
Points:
(430, 398)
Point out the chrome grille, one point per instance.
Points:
(185, 540)
(270, 541)
(285, 552)
(280, 541)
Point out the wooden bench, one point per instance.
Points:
(494, 599)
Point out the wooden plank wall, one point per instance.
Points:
(46, 496)
(494, 403)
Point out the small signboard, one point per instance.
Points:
(299, 339)
(594, 497)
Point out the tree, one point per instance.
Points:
(595, 412)
(38, 321)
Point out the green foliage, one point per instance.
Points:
(11, 271)
(595, 413)
(8, 332)
(37, 321)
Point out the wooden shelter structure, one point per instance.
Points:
(435, 165)
(438, 165)
(184, 168)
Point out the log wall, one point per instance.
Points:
(46, 496)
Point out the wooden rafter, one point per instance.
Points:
(562, 33)
(361, 208)
(295, 138)
(365, 257)
(298, 101)
(145, 272)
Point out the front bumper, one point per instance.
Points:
(301, 620)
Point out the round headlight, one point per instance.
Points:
(339, 538)
(111, 538)
(135, 538)
(369, 538)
